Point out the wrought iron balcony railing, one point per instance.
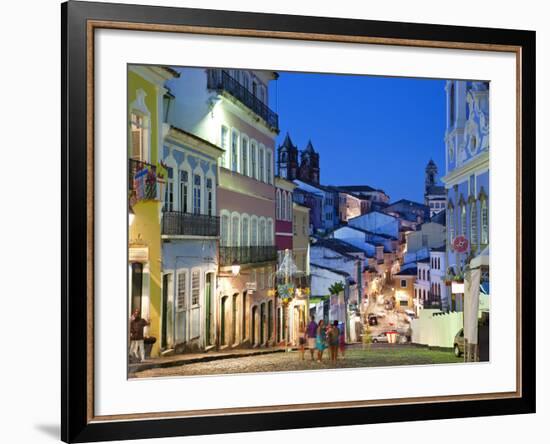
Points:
(303, 281)
(178, 223)
(143, 182)
(220, 80)
(247, 255)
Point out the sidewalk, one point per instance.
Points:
(192, 358)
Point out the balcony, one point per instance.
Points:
(177, 223)
(143, 182)
(220, 80)
(247, 255)
(303, 281)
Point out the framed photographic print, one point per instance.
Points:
(275, 221)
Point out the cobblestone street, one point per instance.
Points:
(378, 355)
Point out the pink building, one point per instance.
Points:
(283, 215)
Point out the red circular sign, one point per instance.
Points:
(460, 244)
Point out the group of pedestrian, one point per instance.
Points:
(317, 337)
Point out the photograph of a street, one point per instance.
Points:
(286, 221)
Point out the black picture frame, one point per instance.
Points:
(76, 423)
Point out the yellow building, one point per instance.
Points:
(145, 191)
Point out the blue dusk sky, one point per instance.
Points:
(378, 131)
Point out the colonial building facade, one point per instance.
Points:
(467, 172)
(228, 108)
(146, 87)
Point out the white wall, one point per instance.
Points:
(436, 330)
(35, 369)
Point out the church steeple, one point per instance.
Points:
(309, 165)
(431, 174)
(287, 159)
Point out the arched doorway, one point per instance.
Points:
(253, 324)
(262, 323)
(223, 320)
(234, 319)
(208, 310)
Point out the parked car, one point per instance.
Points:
(458, 347)
(380, 337)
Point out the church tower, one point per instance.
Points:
(309, 165)
(431, 174)
(287, 159)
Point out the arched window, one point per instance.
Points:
(278, 205)
(261, 164)
(224, 229)
(253, 231)
(463, 220)
(210, 196)
(253, 160)
(451, 225)
(169, 191)
(289, 206)
(484, 222)
(269, 162)
(244, 155)
(284, 207)
(197, 194)
(234, 151)
(473, 224)
(244, 231)
(235, 226)
(269, 232)
(184, 191)
(261, 232)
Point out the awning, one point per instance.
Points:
(482, 259)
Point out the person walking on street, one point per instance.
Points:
(333, 340)
(342, 341)
(302, 340)
(321, 341)
(311, 335)
(137, 346)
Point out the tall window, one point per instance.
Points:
(224, 160)
(278, 205)
(463, 220)
(268, 162)
(244, 156)
(262, 93)
(234, 151)
(261, 165)
(244, 232)
(224, 230)
(254, 232)
(235, 230)
(452, 103)
(195, 287)
(289, 207)
(138, 137)
(169, 193)
(182, 291)
(261, 240)
(473, 224)
(253, 160)
(184, 191)
(197, 194)
(484, 222)
(451, 225)
(209, 197)
(269, 233)
(284, 206)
